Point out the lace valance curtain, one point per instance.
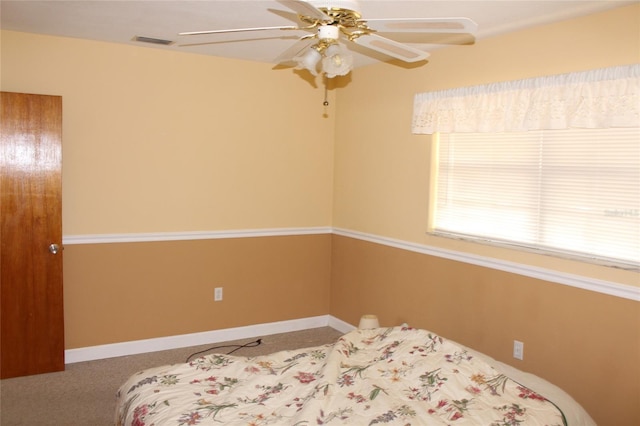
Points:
(603, 98)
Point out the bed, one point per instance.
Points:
(382, 376)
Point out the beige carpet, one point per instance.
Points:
(84, 394)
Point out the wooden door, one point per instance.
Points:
(32, 321)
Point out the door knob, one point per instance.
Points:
(54, 248)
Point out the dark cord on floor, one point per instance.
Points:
(252, 344)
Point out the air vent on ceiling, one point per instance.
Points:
(152, 40)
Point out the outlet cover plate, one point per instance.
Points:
(518, 350)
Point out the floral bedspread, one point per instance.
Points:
(395, 376)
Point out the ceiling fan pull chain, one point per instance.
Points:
(326, 102)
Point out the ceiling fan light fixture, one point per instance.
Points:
(309, 61)
(337, 60)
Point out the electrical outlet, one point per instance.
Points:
(518, 350)
(217, 294)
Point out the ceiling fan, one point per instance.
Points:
(330, 22)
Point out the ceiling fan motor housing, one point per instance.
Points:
(328, 32)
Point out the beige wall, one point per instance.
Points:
(586, 343)
(382, 171)
(159, 141)
(132, 291)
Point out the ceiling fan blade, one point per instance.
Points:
(428, 25)
(238, 30)
(305, 9)
(297, 48)
(432, 38)
(391, 48)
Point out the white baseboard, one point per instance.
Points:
(194, 339)
(341, 326)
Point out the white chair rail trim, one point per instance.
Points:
(585, 283)
(193, 235)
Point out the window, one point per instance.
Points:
(550, 163)
(571, 191)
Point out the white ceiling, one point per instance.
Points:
(119, 21)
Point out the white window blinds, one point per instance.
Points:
(570, 191)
